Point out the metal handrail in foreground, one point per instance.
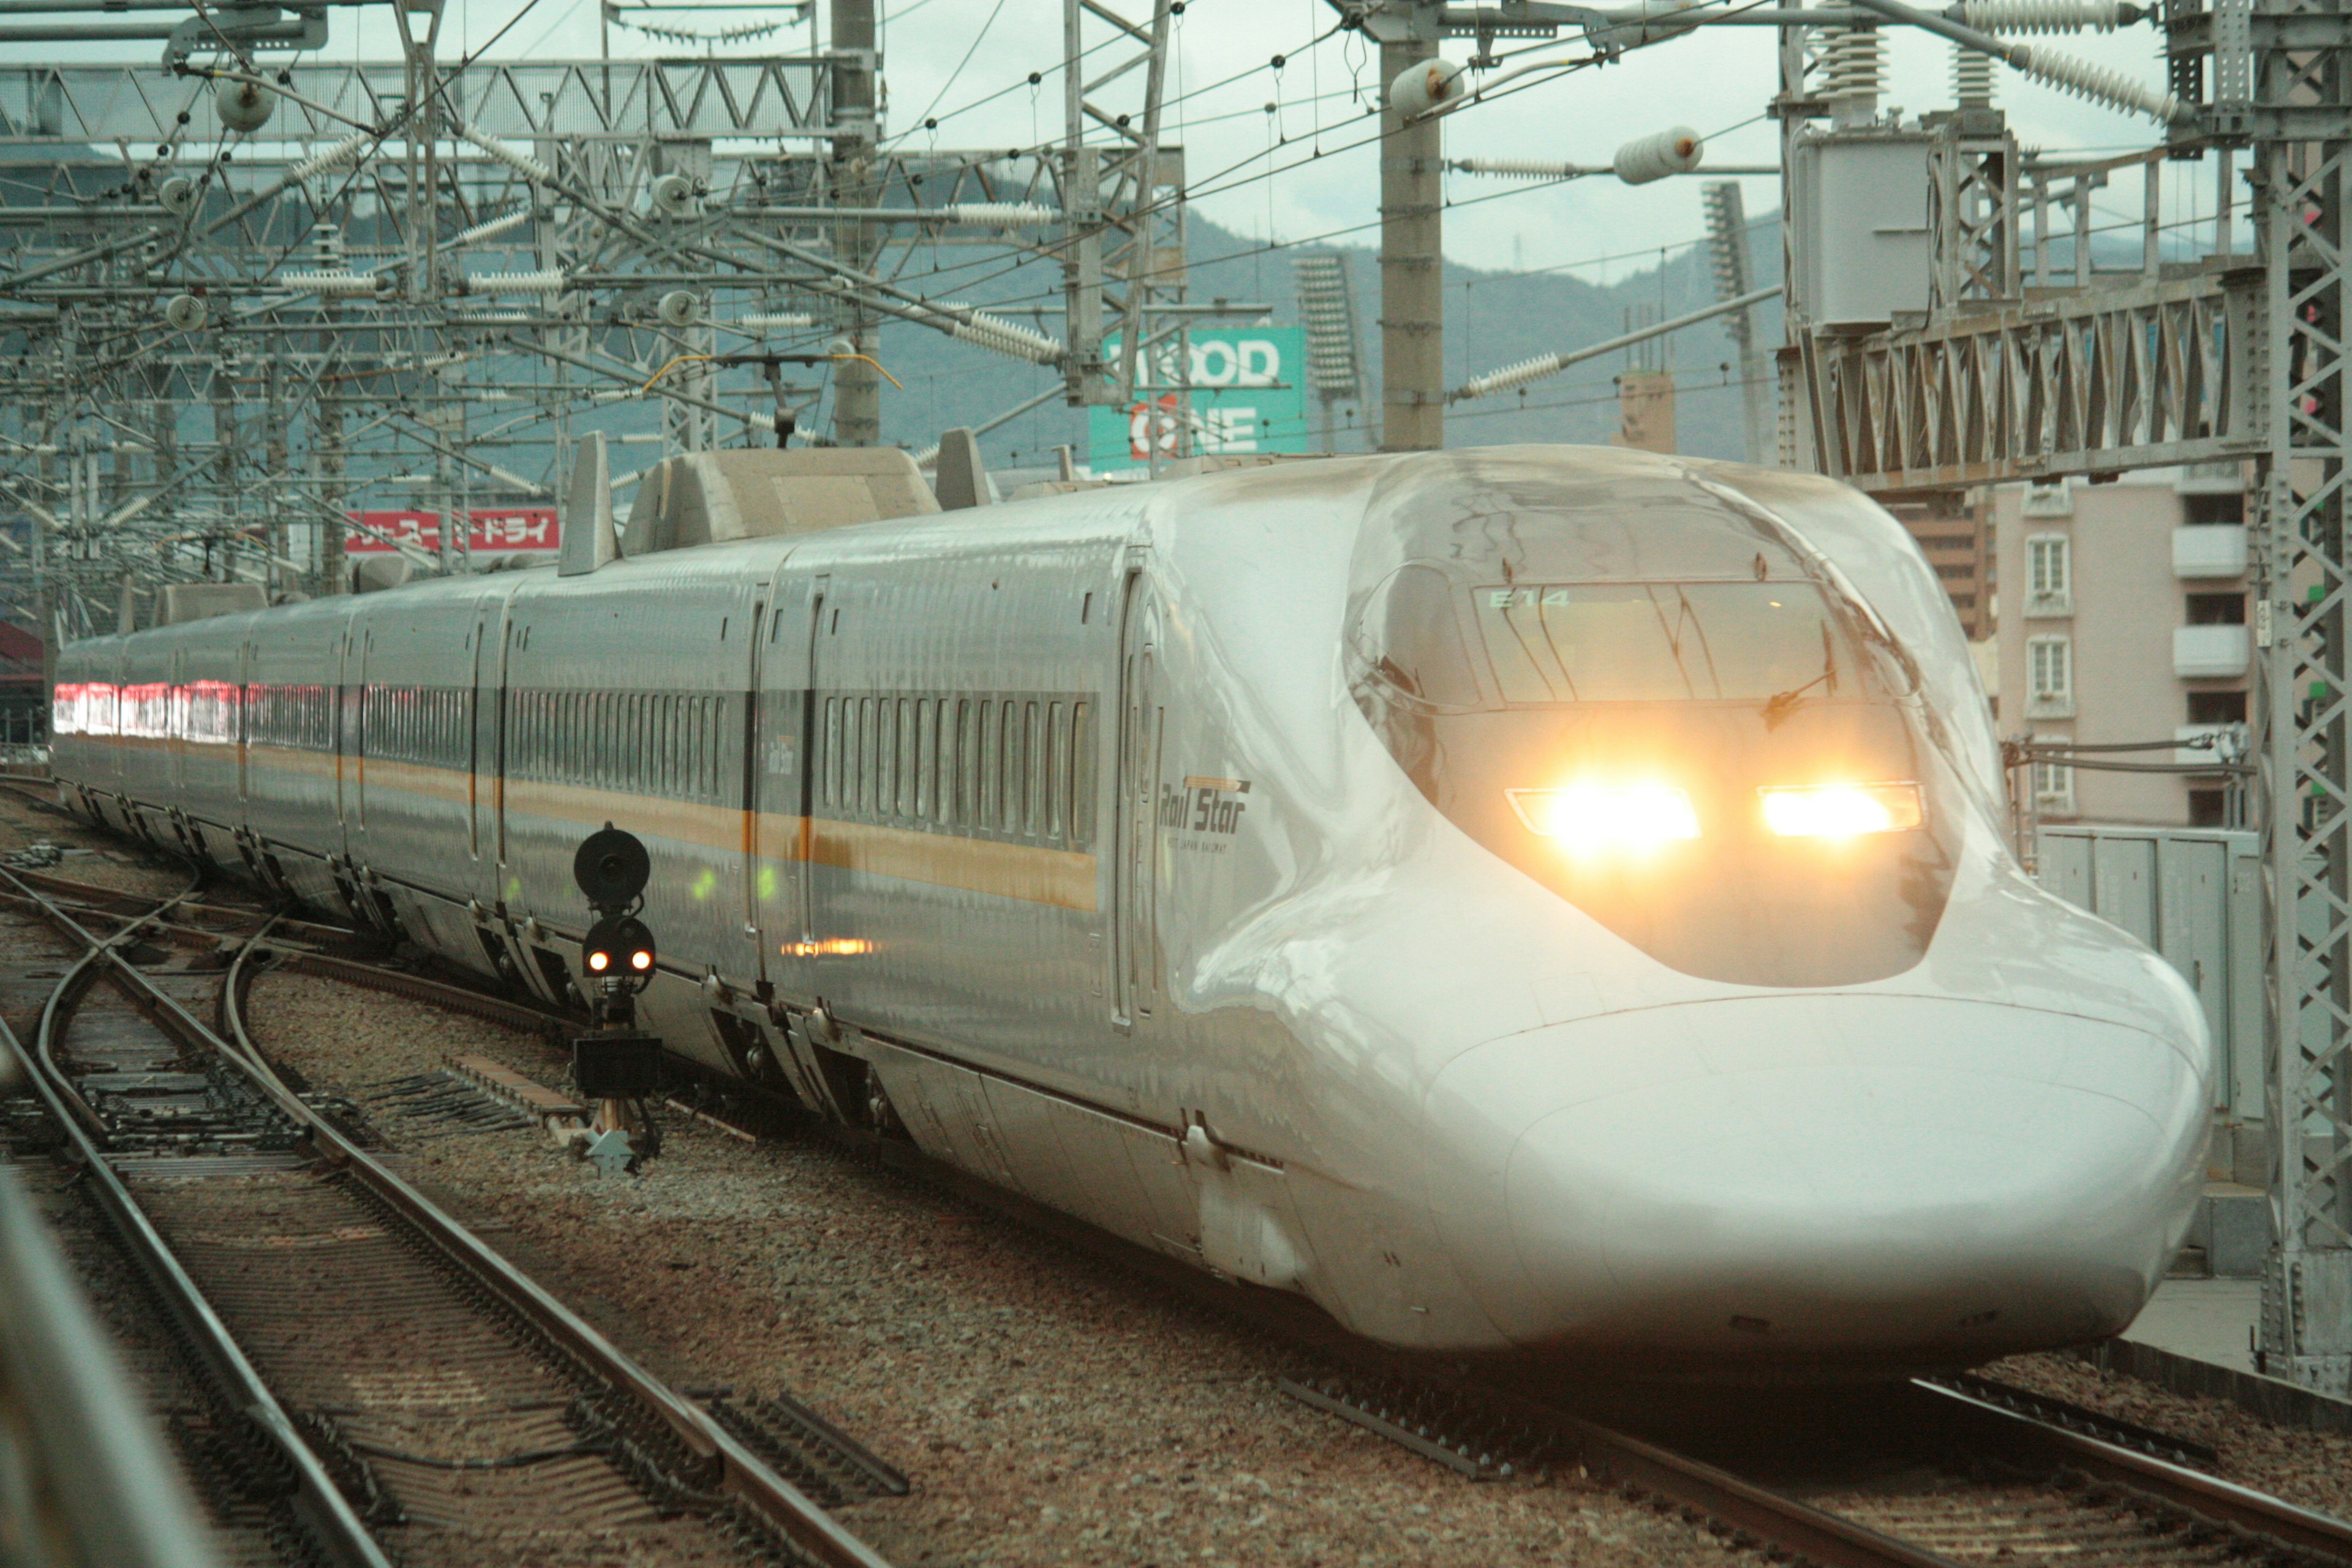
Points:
(92, 1480)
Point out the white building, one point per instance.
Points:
(2122, 618)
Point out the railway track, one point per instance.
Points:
(354, 1377)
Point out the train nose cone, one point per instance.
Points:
(1814, 1179)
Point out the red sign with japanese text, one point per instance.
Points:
(496, 530)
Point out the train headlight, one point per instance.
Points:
(1841, 811)
(1607, 817)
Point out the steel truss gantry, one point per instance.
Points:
(2013, 374)
(407, 288)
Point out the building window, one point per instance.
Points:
(2049, 575)
(2053, 783)
(2210, 511)
(2217, 609)
(2049, 678)
(2217, 707)
(2209, 808)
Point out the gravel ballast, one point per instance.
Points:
(1049, 1409)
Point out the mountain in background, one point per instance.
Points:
(1492, 319)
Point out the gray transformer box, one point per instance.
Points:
(1863, 251)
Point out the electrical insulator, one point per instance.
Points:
(243, 105)
(2042, 16)
(1423, 86)
(184, 313)
(1653, 157)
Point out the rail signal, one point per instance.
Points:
(617, 1066)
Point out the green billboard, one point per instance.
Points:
(1245, 393)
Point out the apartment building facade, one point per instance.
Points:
(1955, 534)
(2121, 618)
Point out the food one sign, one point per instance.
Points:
(496, 530)
(1244, 394)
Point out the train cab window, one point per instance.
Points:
(1410, 635)
(1649, 642)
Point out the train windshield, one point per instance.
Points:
(1654, 642)
(1539, 644)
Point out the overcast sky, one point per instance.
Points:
(957, 58)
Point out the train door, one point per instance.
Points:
(759, 733)
(503, 878)
(356, 823)
(1135, 846)
(477, 644)
(813, 752)
(244, 735)
(175, 727)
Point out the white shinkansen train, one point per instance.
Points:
(1537, 900)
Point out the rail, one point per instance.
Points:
(741, 1476)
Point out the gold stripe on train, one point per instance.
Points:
(1063, 879)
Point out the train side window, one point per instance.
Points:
(665, 758)
(908, 759)
(873, 747)
(1082, 782)
(968, 795)
(861, 755)
(638, 745)
(955, 745)
(827, 761)
(1008, 766)
(1058, 767)
(984, 765)
(926, 756)
(1034, 744)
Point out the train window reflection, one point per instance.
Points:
(1648, 642)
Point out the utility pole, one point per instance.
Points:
(1412, 301)
(857, 386)
(2299, 114)
(1726, 237)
